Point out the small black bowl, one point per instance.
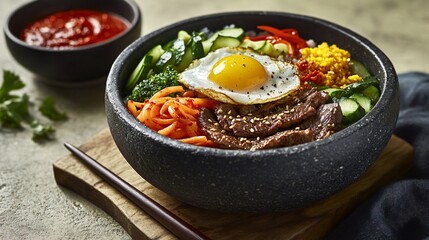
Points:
(271, 180)
(70, 66)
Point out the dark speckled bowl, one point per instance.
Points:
(262, 181)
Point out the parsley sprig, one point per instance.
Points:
(15, 109)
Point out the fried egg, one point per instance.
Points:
(241, 76)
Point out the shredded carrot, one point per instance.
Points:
(174, 117)
(199, 141)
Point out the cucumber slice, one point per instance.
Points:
(139, 73)
(362, 85)
(267, 49)
(352, 111)
(232, 32)
(364, 101)
(373, 93)
(156, 53)
(167, 58)
(222, 42)
(183, 35)
(197, 46)
(358, 68)
(144, 66)
(255, 45)
(178, 50)
(168, 45)
(264, 47)
(280, 48)
(236, 33)
(336, 92)
(186, 60)
(207, 45)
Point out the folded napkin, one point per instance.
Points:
(400, 210)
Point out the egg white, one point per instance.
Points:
(282, 78)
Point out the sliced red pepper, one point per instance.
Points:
(288, 36)
(301, 43)
(290, 31)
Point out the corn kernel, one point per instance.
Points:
(332, 62)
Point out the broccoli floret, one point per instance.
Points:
(148, 87)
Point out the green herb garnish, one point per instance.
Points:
(47, 108)
(15, 109)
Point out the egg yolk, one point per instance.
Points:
(238, 72)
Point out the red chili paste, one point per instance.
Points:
(73, 28)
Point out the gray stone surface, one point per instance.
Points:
(32, 206)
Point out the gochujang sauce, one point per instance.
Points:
(73, 28)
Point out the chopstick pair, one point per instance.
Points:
(173, 223)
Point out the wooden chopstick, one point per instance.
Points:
(173, 223)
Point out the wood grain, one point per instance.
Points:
(313, 222)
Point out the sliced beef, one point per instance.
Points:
(225, 114)
(316, 99)
(251, 126)
(299, 95)
(325, 122)
(284, 139)
(219, 136)
(296, 119)
(256, 125)
(212, 129)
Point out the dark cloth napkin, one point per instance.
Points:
(401, 209)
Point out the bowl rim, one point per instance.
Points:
(134, 23)
(119, 108)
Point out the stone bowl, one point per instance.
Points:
(275, 180)
(74, 66)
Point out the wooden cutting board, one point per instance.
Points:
(313, 222)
